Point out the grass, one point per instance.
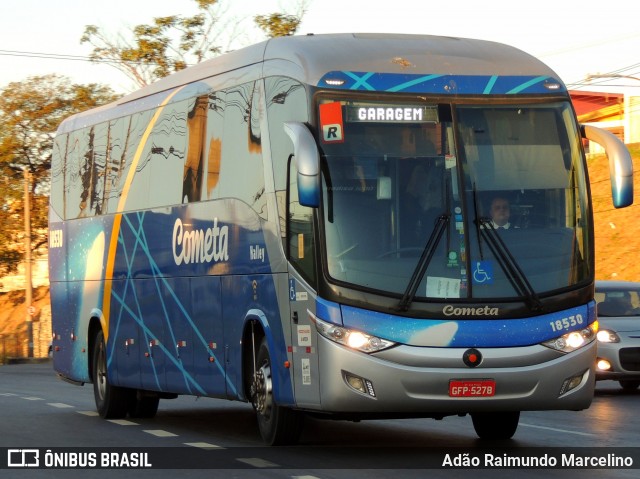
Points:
(617, 230)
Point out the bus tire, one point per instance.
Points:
(278, 425)
(143, 404)
(495, 425)
(112, 402)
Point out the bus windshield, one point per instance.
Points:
(453, 201)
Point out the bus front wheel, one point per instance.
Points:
(112, 402)
(495, 425)
(278, 425)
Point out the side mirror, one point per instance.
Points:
(305, 152)
(620, 164)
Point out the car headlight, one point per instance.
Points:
(350, 337)
(608, 336)
(573, 340)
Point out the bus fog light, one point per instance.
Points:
(356, 383)
(361, 385)
(570, 383)
(603, 365)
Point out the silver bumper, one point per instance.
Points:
(410, 380)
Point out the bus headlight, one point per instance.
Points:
(574, 340)
(352, 338)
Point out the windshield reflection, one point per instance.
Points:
(404, 211)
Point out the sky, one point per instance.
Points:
(574, 39)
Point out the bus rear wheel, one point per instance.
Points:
(278, 425)
(495, 425)
(143, 404)
(112, 402)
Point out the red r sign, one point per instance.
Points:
(331, 122)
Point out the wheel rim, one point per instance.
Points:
(101, 372)
(263, 397)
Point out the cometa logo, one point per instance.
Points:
(450, 310)
(200, 246)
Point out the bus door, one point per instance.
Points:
(301, 253)
(304, 347)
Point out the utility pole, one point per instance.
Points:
(28, 288)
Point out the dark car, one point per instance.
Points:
(619, 333)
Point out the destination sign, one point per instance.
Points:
(391, 114)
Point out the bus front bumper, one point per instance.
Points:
(420, 381)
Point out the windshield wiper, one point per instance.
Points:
(508, 263)
(423, 262)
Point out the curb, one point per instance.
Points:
(27, 360)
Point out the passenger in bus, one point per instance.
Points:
(424, 204)
(416, 141)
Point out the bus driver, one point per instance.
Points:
(500, 213)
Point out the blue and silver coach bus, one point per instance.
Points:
(306, 225)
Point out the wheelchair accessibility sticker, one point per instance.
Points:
(483, 272)
(296, 295)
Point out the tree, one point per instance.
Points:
(30, 112)
(278, 24)
(169, 44)
(282, 24)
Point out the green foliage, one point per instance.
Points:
(169, 44)
(278, 24)
(30, 112)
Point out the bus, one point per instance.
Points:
(305, 225)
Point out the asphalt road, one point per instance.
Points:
(40, 413)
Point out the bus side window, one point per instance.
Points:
(301, 243)
(286, 101)
(192, 178)
(242, 149)
(58, 162)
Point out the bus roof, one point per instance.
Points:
(308, 58)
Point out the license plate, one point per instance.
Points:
(472, 388)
